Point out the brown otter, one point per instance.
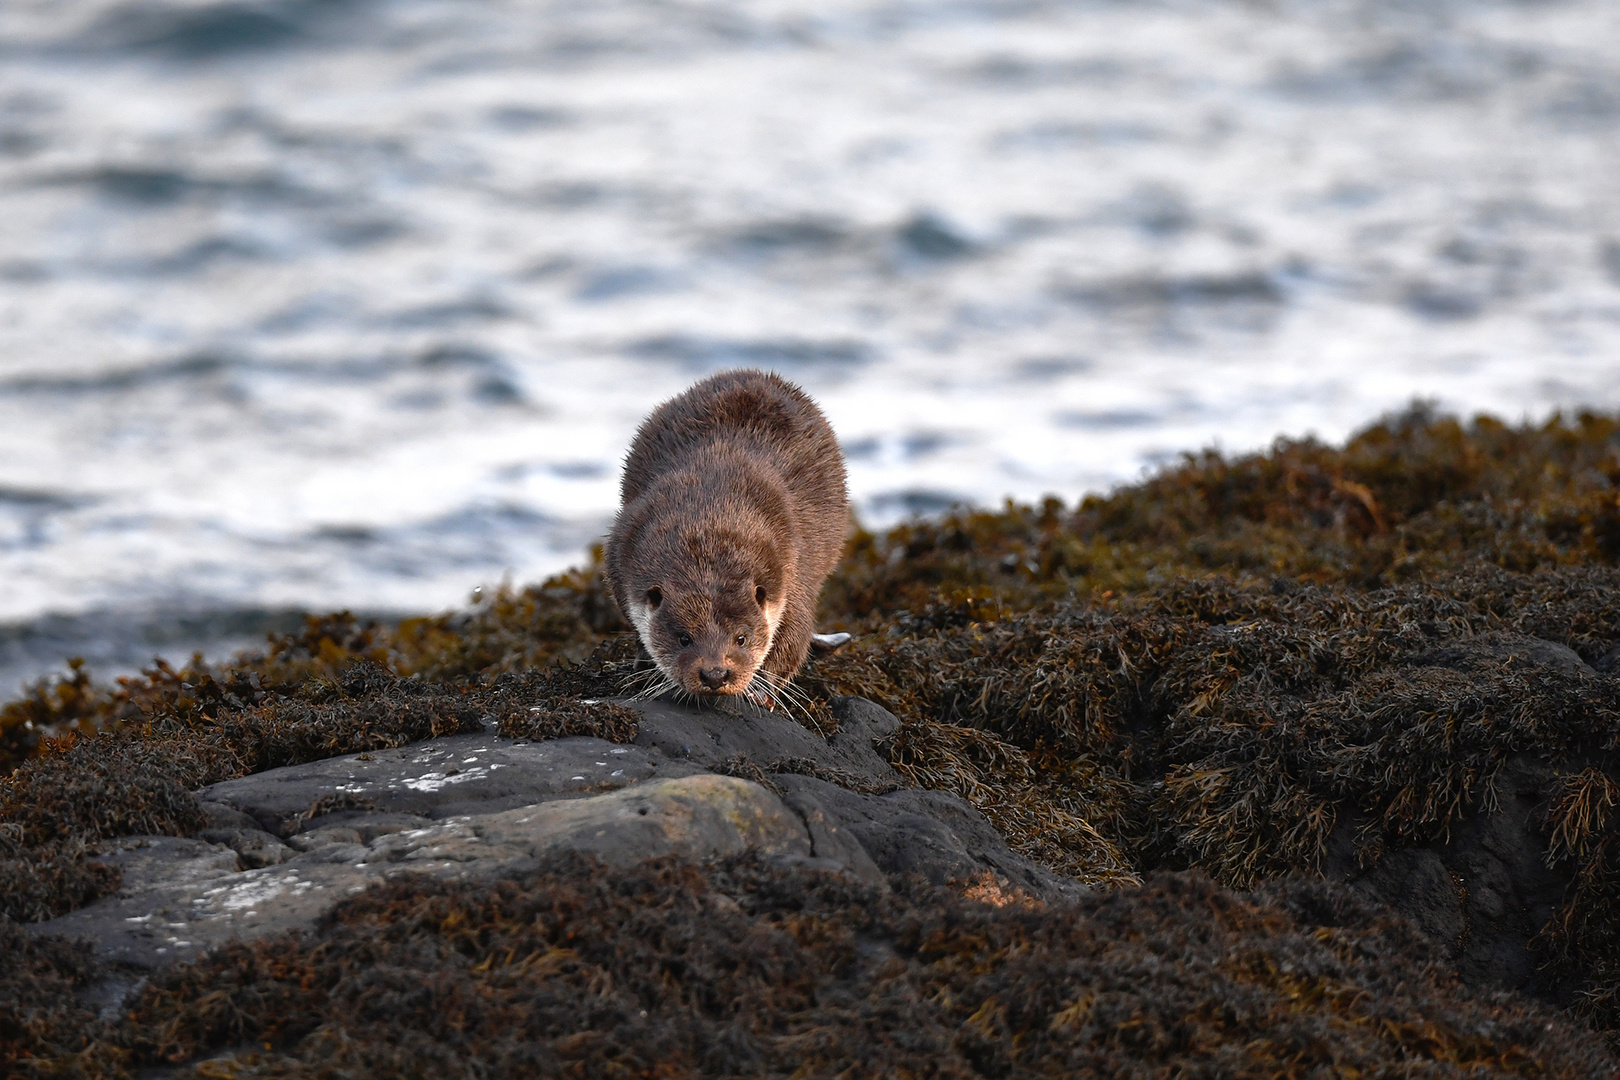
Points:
(732, 512)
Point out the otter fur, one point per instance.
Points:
(733, 511)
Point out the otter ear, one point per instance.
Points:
(759, 595)
(655, 596)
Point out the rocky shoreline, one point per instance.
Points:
(1302, 761)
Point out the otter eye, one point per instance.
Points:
(655, 596)
(742, 639)
(684, 639)
(759, 595)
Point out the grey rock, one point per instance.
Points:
(1416, 882)
(254, 847)
(696, 816)
(932, 833)
(460, 774)
(708, 736)
(149, 862)
(830, 840)
(476, 806)
(218, 817)
(311, 839)
(865, 728)
(349, 854)
(369, 825)
(1505, 647)
(176, 915)
(1485, 892)
(137, 932)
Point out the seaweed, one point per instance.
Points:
(742, 968)
(42, 986)
(1409, 496)
(1229, 667)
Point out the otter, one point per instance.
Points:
(733, 511)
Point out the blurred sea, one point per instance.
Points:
(324, 303)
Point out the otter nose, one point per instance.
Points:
(714, 677)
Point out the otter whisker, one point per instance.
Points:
(657, 689)
(786, 688)
(640, 679)
(793, 699)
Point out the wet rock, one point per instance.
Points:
(1483, 894)
(182, 896)
(367, 824)
(254, 847)
(311, 839)
(219, 817)
(935, 834)
(459, 774)
(832, 843)
(149, 862)
(706, 737)
(1509, 648)
(283, 846)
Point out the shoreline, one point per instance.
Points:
(1391, 667)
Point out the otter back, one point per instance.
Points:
(733, 511)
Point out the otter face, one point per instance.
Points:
(707, 644)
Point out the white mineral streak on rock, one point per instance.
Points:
(434, 781)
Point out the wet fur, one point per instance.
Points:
(735, 485)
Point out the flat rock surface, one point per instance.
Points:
(709, 736)
(284, 845)
(459, 774)
(201, 899)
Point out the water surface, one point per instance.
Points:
(323, 303)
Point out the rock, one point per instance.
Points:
(707, 737)
(149, 862)
(254, 847)
(370, 825)
(1503, 647)
(182, 896)
(311, 839)
(695, 817)
(1609, 662)
(932, 833)
(1483, 894)
(831, 842)
(283, 846)
(866, 725)
(460, 774)
(218, 817)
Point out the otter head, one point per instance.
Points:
(709, 641)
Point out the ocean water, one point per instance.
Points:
(325, 303)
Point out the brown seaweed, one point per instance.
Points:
(741, 969)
